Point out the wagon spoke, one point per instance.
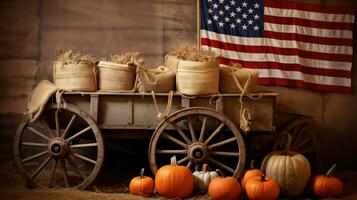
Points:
(44, 123)
(299, 135)
(218, 129)
(307, 140)
(34, 156)
(40, 168)
(223, 153)
(64, 169)
(54, 165)
(182, 160)
(181, 132)
(169, 137)
(34, 144)
(189, 164)
(83, 158)
(75, 167)
(222, 143)
(221, 165)
(158, 151)
(38, 133)
(203, 129)
(69, 126)
(192, 130)
(79, 133)
(84, 145)
(57, 123)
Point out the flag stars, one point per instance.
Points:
(232, 14)
(256, 28)
(244, 27)
(250, 22)
(215, 5)
(244, 4)
(221, 12)
(250, 10)
(215, 17)
(227, 7)
(239, 9)
(256, 16)
(220, 24)
(226, 19)
(221, 1)
(210, 1)
(209, 21)
(239, 21)
(233, 3)
(233, 26)
(256, 5)
(210, 10)
(244, 16)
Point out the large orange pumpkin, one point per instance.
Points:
(174, 181)
(224, 188)
(262, 188)
(250, 174)
(141, 185)
(327, 186)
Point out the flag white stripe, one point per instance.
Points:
(285, 59)
(296, 75)
(347, 50)
(309, 15)
(303, 30)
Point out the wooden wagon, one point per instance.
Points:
(65, 145)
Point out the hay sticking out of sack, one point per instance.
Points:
(194, 53)
(67, 56)
(128, 58)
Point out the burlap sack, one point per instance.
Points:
(75, 77)
(115, 77)
(238, 80)
(171, 62)
(38, 99)
(196, 78)
(160, 79)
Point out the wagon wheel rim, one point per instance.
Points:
(61, 164)
(199, 144)
(303, 140)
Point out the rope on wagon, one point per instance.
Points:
(164, 115)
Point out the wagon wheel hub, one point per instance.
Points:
(58, 147)
(197, 152)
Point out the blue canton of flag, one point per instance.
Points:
(233, 17)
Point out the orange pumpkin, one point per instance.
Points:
(141, 185)
(224, 188)
(262, 188)
(250, 174)
(327, 186)
(174, 181)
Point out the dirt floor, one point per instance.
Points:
(12, 187)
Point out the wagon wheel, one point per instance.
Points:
(64, 147)
(303, 140)
(195, 136)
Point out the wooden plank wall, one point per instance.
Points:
(32, 30)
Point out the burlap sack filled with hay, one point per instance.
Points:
(238, 80)
(171, 62)
(74, 72)
(38, 99)
(160, 79)
(118, 72)
(197, 71)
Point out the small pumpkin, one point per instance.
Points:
(289, 169)
(250, 174)
(174, 181)
(141, 185)
(327, 186)
(203, 179)
(224, 188)
(262, 188)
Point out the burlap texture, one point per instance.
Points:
(115, 77)
(160, 79)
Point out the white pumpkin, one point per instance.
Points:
(203, 179)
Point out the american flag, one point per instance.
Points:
(292, 44)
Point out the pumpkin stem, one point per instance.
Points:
(262, 178)
(252, 164)
(331, 170)
(288, 144)
(204, 168)
(173, 161)
(220, 173)
(142, 173)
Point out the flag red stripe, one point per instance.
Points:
(276, 50)
(309, 7)
(308, 23)
(289, 67)
(302, 84)
(308, 38)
